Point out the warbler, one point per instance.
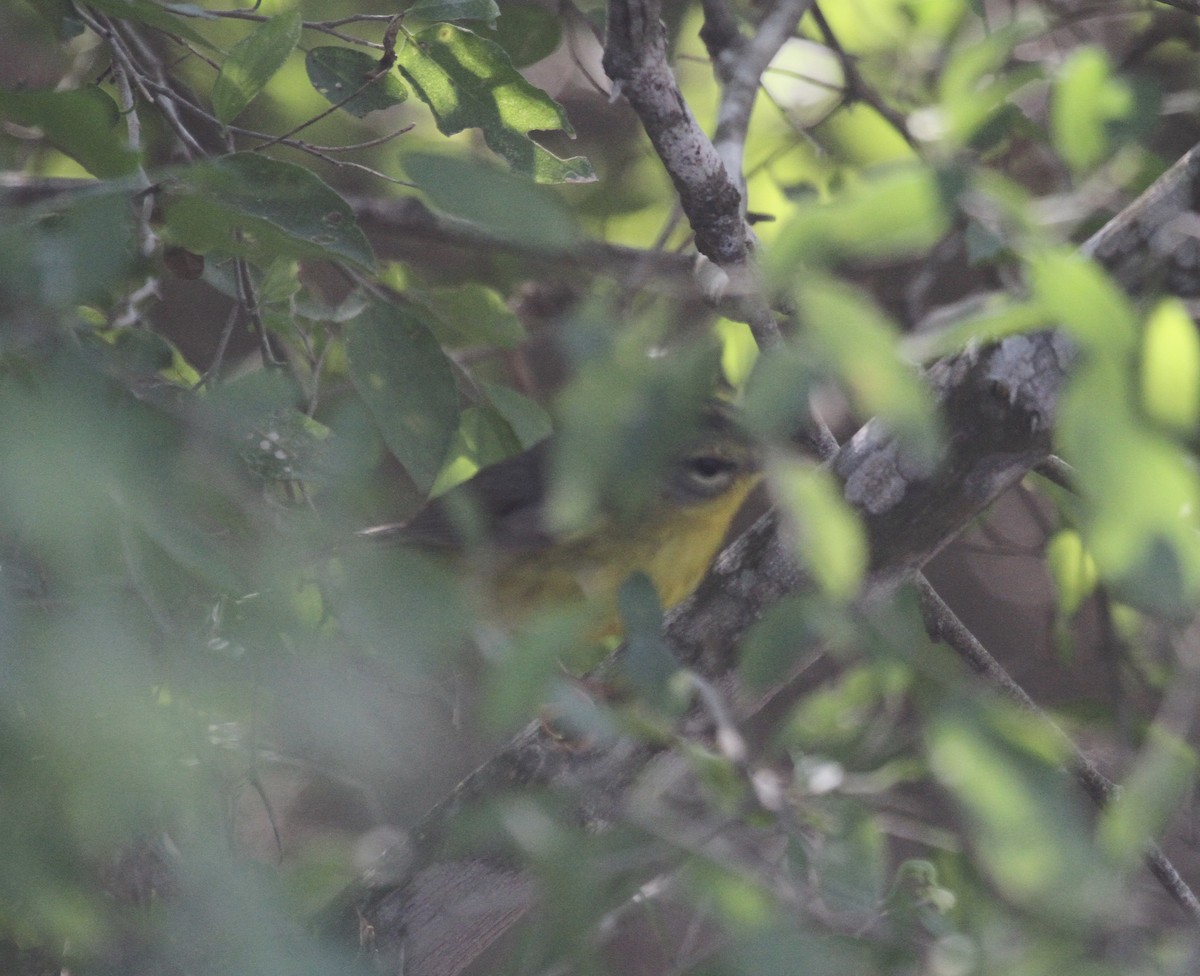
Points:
(524, 565)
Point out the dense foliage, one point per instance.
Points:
(272, 275)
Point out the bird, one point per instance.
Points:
(497, 526)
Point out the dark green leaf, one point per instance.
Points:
(60, 258)
(407, 383)
(336, 72)
(61, 16)
(647, 663)
(528, 33)
(468, 82)
(472, 315)
(155, 15)
(85, 124)
(253, 62)
(250, 205)
(440, 10)
(510, 207)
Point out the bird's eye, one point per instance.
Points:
(707, 468)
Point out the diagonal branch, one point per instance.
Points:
(999, 404)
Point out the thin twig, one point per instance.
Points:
(943, 624)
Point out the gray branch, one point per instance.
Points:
(998, 403)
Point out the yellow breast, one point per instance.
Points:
(674, 545)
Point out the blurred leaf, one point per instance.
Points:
(249, 205)
(1071, 568)
(647, 662)
(85, 124)
(525, 417)
(335, 72)
(1084, 300)
(441, 10)
(528, 32)
(1087, 100)
(1003, 770)
(739, 351)
(895, 211)
(786, 635)
(1150, 796)
(1170, 381)
(468, 82)
(979, 81)
(829, 538)
(61, 16)
(155, 15)
(483, 438)
(508, 206)
(1142, 504)
(786, 950)
(407, 383)
(252, 62)
(471, 315)
(67, 253)
(860, 343)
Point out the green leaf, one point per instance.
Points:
(1028, 830)
(1071, 568)
(894, 212)
(1087, 101)
(471, 315)
(648, 663)
(70, 253)
(441, 10)
(408, 385)
(528, 32)
(858, 343)
(335, 72)
(1171, 367)
(527, 419)
(155, 15)
(84, 124)
(253, 62)
(1161, 780)
(252, 206)
(509, 206)
(61, 16)
(829, 538)
(468, 82)
(483, 439)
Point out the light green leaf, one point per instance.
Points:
(896, 211)
(1087, 100)
(335, 72)
(442, 10)
(1028, 829)
(85, 124)
(1160, 781)
(253, 206)
(408, 385)
(1084, 300)
(483, 438)
(859, 344)
(1171, 367)
(509, 206)
(829, 537)
(253, 62)
(468, 82)
(1071, 568)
